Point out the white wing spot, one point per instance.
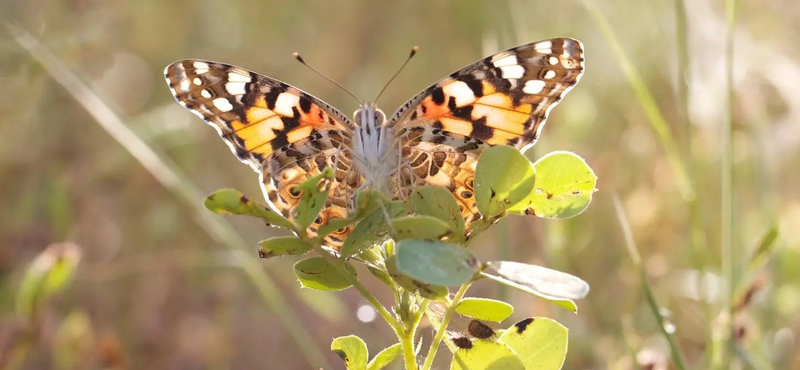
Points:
(544, 47)
(549, 74)
(184, 85)
(533, 86)
(285, 103)
(235, 88)
(197, 81)
(205, 93)
(553, 61)
(504, 59)
(461, 91)
(200, 67)
(222, 104)
(239, 77)
(513, 71)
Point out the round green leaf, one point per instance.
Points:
(546, 282)
(313, 193)
(352, 350)
(385, 357)
(437, 201)
(563, 187)
(540, 343)
(435, 262)
(503, 178)
(484, 309)
(316, 273)
(429, 291)
(419, 227)
(282, 246)
(487, 355)
(233, 202)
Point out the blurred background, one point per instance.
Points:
(708, 189)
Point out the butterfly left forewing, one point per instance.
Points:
(282, 132)
(503, 99)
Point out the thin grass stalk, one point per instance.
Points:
(727, 250)
(654, 116)
(697, 236)
(633, 253)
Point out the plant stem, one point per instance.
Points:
(409, 356)
(437, 339)
(338, 264)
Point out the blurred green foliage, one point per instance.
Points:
(154, 290)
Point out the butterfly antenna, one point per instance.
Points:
(300, 59)
(411, 55)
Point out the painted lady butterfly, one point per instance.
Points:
(287, 135)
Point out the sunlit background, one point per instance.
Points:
(161, 285)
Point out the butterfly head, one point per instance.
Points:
(368, 117)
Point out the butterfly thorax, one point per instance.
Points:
(374, 150)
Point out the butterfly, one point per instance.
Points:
(287, 135)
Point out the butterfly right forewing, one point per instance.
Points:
(503, 99)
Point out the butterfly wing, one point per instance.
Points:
(503, 99)
(283, 133)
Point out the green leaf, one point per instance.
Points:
(764, 251)
(563, 187)
(316, 273)
(282, 246)
(233, 202)
(352, 350)
(503, 178)
(372, 229)
(419, 227)
(385, 357)
(313, 194)
(437, 201)
(435, 262)
(486, 355)
(484, 309)
(540, 343)
(429, 291)
(48, 274)
(381, 275)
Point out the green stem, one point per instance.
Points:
(437, 339)
(338, 264)
(406, 337)
(409, 356)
